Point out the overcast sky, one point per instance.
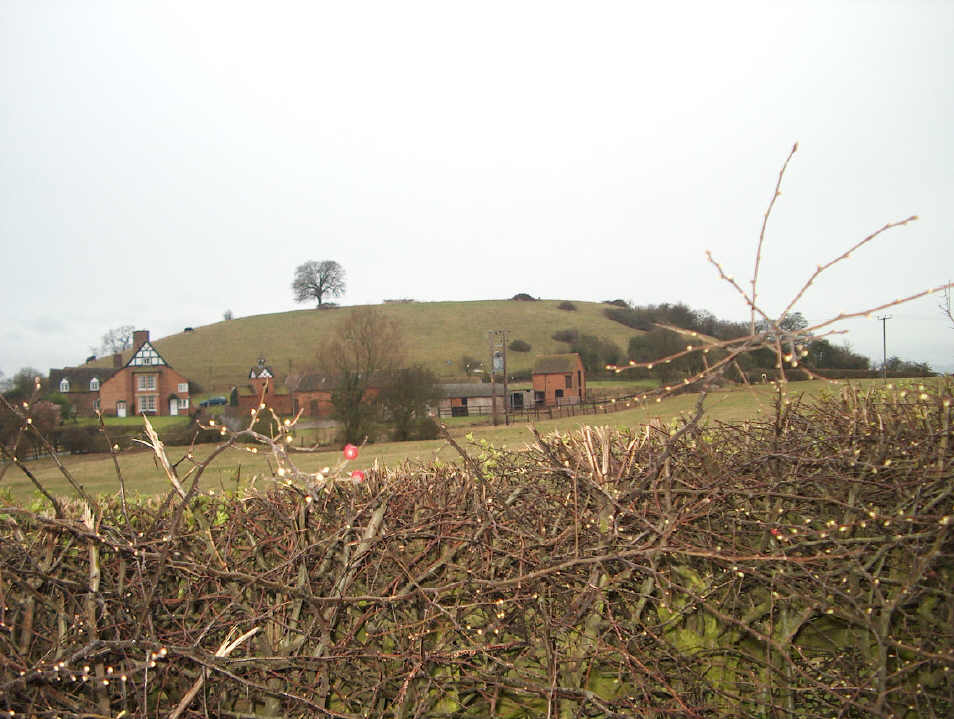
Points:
(163, 162)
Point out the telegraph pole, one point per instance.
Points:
(884, 347)
(497, 339)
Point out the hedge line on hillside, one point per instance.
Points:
(798, 567)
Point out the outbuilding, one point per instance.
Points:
(559, 380)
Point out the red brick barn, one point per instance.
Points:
(559, 380)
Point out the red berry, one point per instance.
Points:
(350, 451)
(775, 531)
(357, 475)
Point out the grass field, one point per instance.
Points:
(219, 355)
(142, 476)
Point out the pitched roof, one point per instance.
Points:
(313, 382)
(79, 377)
(470, 389)
(317, 382)
(555, 364)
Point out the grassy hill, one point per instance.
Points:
(219, 355)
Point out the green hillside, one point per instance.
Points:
(219, 355)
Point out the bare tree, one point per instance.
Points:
(115, 340)
(315, 280)
(365, 348)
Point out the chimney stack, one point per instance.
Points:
(117, 361)
(140, 337)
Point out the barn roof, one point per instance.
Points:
(556, 364)
(469, 389)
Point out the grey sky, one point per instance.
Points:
(163, 162)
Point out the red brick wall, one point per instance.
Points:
(314, 404)
(550, 383)
(83, 402)
(280, 403)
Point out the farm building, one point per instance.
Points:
(468, 399)
(559, 380)
(311, 395)
(264, 388)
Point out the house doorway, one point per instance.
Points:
(121, 408)
(173, 406)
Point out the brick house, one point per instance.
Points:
(146, 384)
(80, 385)
(559, 380)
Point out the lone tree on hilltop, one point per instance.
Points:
(315, 280)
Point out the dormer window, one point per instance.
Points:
(94, 384)
(64, 385)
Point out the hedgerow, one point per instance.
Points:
(800, 566)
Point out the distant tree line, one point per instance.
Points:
(659, 342)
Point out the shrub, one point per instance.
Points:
(569, 335)
(80, 440)
(633, 318)
(187, 434)
(617, 303)
(523, 297)
(426, 428)
(519, 346)
(596, 352)
(565, 305)
(660, 343)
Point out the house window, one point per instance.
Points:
(183, 387)
(183, 403)
(94, 385)
(569, 380)
(146, 404)
(64, 385)
(96, 406)
(145, 382)
(559, 393)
